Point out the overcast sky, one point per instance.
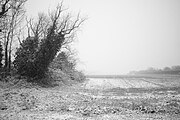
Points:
(123, 35)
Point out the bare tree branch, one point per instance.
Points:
(11, 21)
(5, 8)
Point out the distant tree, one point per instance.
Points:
(175, 68)
(151, 69)
(167, 69)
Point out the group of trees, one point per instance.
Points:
(47, 36)
(165, 70)
(11, 16)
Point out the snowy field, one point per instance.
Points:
(158, 81)
(106, 98)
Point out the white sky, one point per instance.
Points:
(123, 35)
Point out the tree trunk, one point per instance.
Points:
(6, 54)
(10, 51)
(9, 62)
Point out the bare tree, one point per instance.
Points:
(54, 31)
(58, 21)
(62, 27)
(38, 28)
(11, 22)
(5, 7)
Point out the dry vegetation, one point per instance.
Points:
(42, 82)
(72, 101)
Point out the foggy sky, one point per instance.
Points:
(123, 35)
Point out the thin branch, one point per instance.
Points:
(74, 26)
(4, 9)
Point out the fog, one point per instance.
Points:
(123, 35)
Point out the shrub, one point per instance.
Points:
(25, 57)
(67, 64)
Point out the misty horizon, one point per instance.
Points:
(121, 36)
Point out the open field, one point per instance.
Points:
(132, 81)
(127, 98)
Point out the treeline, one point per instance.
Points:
(165, 70)
(31, 46)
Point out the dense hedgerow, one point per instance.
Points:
(67, 64)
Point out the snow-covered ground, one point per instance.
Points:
(94, 99)
(107, 83)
